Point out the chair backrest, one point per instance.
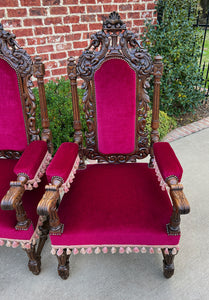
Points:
(115, 69)
(17, 102)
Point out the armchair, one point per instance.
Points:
(23, 156)
(116, 205)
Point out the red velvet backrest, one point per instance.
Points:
(12, 124)
(115, 92)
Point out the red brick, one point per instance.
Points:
(59, 10)
(43, 30)
(30, 50)
(12, 23)
(125, 7)
(138, 7)
(66, 2)
(104, 1)
(95, 26)
(94, 8)
(30, 3)
(45, 49)
(133, 15)
(55, 20)
(146, 14)
(102, 17)
(74, 53)
(138, 22)
(9, 3)
(20, 12)
(23, 32)
(80, 27)
(2, 13)
(63, 63)
(71, 19)
(87, 1)
(51, 65)
(39, 11)
(44, 57)
(36, 41)
(47, 74)
(51, 2)
(110, 8)
(88, 18)
(62, 29)
(151, 5)
(58, 55)
(21, 42)
(86, 35)
(77, 9)
(55, 39)
(63, 47)
(60, 71)
(81, 45)
(72, 37)
(33, 22)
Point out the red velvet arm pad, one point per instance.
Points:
(167, 161)
(63, 161)
(31, 159)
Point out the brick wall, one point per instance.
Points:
(56, 29)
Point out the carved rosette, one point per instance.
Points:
(115, 42)
(21, 62)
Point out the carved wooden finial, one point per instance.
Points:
(114, 23)
(38, 67)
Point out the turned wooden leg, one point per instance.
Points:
(168, 262)
(63, 264)
(34, 255)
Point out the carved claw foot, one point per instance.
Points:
(63, 265)
(35, 265)
(168, 262)
(168, 270)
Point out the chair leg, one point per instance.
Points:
(168, 263)
(34, 254)
(63, 264)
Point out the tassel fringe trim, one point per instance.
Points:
(113, 250)
(33, 183)
(66, 185)
(163, 184)
(25, 244)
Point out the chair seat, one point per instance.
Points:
(30, 201)
(115, 205)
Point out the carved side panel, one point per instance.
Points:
(21, 62)
(115, 42)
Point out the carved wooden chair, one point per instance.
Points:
(23, 156)
(118, 204)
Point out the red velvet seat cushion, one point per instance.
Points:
(63, 161)
(167, 161)
(115, 205)
(30, 202)
(31, 159)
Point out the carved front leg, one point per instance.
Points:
(168, 262)
(48, 207)
(34, 263)
(63, 265)
(13, 200)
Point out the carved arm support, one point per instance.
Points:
(60, 173)
(171, 171)
(29, 169)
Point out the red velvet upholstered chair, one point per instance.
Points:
(118, 204)
(23, 156)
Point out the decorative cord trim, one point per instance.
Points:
(33, 183)
(114, 249)
(25, 244)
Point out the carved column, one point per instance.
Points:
(39, 72)
(158, 70)
(168, 262)
(78, 136)
(63, 264)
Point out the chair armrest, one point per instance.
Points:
(167, 161)
(29, 169)
(60, 174)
